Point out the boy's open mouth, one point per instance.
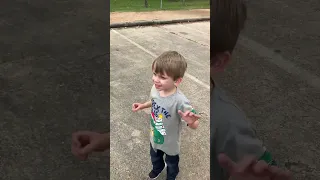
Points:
(157, 85)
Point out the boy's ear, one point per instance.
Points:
(221, 61)
(178, 81)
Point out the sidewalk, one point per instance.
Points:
(125, 17)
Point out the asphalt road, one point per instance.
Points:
(274, 77)
(53, 81)
(132, 51)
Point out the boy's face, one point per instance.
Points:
(163, 82)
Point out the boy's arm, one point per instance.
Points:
(237, 139)
(186, 106)
(147, 104)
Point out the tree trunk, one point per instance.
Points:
(146, 3)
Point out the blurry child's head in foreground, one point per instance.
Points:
(227, 19)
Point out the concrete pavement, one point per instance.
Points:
(132, 52)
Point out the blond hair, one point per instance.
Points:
(171, 63)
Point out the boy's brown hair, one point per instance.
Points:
(172, 63)
(227, 18)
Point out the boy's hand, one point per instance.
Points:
(188, 116)
(137, 106)
(86, 142)
(252, 169)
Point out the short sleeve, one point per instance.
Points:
(186, 106)
(237, 138)
(153, 89)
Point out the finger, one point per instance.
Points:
(75, 139)
(226, 163)
(75, 152)
(260, 168)
(193, 115)
(89, 148)
(84, 140)
(196, 123)
(246, 164)
(76, 143)
(196, 116)
(279, 174)
(187, 113)
(180, 112)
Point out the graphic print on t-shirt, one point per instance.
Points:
(157, 116)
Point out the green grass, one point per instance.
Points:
(154, 5)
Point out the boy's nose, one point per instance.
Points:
(155, 79)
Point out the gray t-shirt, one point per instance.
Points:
(231, 133)
(165, 122)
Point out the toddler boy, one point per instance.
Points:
(168, 106)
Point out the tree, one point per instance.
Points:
(146, 3)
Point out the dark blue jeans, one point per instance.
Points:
(158, 163)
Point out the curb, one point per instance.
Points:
(151, 23)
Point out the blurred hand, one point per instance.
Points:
(249, 168)
(86, 142)
(188, 116)
(137, 106)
